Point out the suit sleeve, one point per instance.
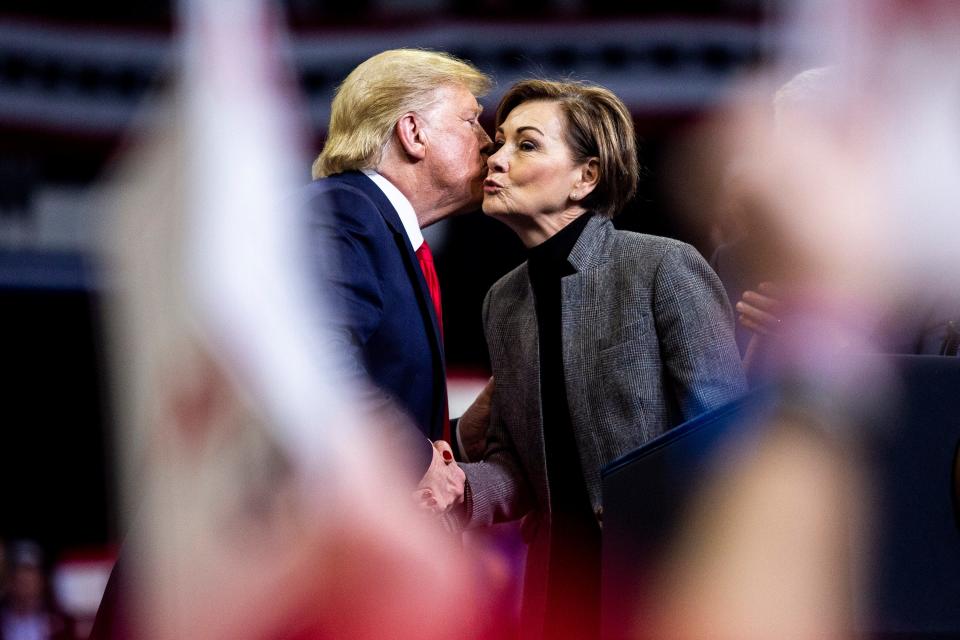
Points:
(342, 246)
(497, 488)
(695, 330)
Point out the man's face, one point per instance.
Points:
(456, 149)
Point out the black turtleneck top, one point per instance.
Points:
(574, 571)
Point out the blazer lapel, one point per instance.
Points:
(522, 349)
(581, 300)
(580, 297)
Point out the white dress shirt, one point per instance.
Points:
(408, 217)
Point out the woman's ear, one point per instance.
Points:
(410, 135)
(589, 177)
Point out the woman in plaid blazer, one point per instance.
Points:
(600, 341)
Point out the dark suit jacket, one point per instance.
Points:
(383, 324)
(383, 321)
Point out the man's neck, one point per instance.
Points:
(402, 205)
(430, 202)
(405, 180)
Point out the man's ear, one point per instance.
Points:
(589, 177)
(410, 135)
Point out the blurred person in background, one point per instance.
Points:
(754, 256)
(859, 182)
(601, 341)
(28, 611)
(405, 150)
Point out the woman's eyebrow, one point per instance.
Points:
(525, 128)
(522, 129)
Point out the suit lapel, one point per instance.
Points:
(392, 218)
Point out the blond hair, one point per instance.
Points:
(598, 125)
(377, 93)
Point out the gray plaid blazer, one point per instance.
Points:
(647, 343)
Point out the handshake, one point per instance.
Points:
(442, 486)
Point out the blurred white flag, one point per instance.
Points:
(263, 503)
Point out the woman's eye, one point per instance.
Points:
(526, 145)
(497, 144)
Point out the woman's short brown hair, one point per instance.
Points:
(598, 125)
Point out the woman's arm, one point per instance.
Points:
(695, 331)
(496, 489)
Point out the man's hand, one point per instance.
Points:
(442, 485)
(473, 424)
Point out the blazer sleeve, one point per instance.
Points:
(695, 330)
(497, 489)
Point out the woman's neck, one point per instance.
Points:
(537, 229)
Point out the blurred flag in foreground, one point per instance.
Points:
(261, 503)
(860, 186)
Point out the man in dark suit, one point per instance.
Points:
(405, 149)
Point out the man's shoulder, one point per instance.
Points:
(347, 201)
(342, 188)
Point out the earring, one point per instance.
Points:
(574, 196)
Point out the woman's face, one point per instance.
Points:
(532, 172)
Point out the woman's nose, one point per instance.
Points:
(497, 161)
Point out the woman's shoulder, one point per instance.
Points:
(649, 248)
(511, 283)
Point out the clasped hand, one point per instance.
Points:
(442, 486)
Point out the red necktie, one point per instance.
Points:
(425, 257)
(433, 283)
